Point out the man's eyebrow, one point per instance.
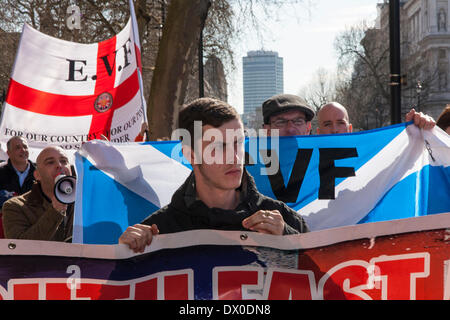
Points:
(48, 158)
(53, 158)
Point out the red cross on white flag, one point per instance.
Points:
(67, 93)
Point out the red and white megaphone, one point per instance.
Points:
(65, 188)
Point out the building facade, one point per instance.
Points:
(262, 78)
(425, 53)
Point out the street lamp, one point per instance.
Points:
(418, 91)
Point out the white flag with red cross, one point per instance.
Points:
(67, 93)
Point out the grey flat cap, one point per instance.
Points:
(285, 102)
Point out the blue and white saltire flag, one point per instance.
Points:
(331, 180)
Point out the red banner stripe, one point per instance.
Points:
(106, 75)
(106, 58)
(138, 57)
(42, 102)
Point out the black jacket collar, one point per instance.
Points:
(185, 198)
(11, 167)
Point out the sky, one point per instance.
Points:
(303, 35)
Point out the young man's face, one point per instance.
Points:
(50, 163)
(18, 151)
(222, 155)
(289, 123)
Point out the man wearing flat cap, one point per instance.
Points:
(289, 114)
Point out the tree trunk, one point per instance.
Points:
(142, 18)
(176, 54)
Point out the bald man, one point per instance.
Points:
(333, 118)
(37, 215)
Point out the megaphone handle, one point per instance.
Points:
(58, 206)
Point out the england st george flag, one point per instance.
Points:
(66, 93)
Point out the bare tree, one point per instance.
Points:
(363, 55)
(168, 64)
(176, 52)
(320, 89)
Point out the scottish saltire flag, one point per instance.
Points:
(119, 184)
(383, 174)
(331, 180)
(67, 93)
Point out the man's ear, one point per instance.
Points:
(193, 153)
(267, 127)
(308, 127)
(36, 175)
(350, 128)
(188, 153)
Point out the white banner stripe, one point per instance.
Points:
(42, 64)
(144, 171)
(214, 237)
(403, 155)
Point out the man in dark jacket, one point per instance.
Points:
(187, 212)
(16, 175)
(219, 194)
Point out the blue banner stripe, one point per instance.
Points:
(115, 207)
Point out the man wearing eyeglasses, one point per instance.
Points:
(289, 114)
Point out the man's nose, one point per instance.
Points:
(334, 129)
(234, 154)
(239, 156)
(291, 129)
(290, 124)
(60, 166)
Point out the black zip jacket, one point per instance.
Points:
(186, 212)
(9, 180)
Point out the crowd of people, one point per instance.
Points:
(215, 196)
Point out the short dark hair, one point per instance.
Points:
(443, 121)
(209, 111)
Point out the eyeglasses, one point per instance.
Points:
(281, 123)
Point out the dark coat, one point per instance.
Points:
(185, 212)
(9, 180)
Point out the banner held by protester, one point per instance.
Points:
(66, 93)
(332, 181)
(391, 260)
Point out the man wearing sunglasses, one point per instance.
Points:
(289, 114)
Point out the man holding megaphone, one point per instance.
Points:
(45, 212)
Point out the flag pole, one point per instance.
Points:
(137, 48)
